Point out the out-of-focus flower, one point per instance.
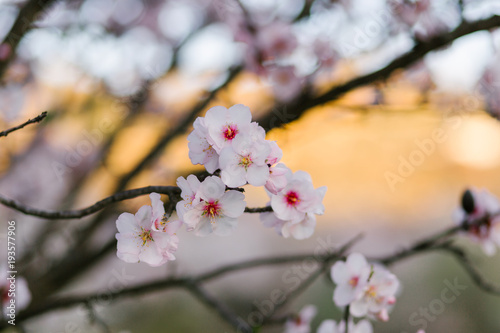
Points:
(489, 86)
(378, 294)
(330, 326)
(368, 290)
(275, 41)
(285, 84)
(14, 292)
(217, 211)
(138, 241)
(351, 278)
(301, 323)
(480, 212)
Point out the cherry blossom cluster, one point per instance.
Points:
(234, 150)
(228, 140)
(479, 214)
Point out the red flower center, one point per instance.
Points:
(211, 210)
(230, 131)
(292, 198)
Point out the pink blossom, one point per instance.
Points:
(378, 294)
(138, 241)
(22, 294)
(324, 53)
(245, 160)
(278, 178)
(224, 125)
(330, 326)
(302, 322)
(478, 205)
(201, 150)
(351, 278)
(298, 198)
(217, 211)
(275, 41)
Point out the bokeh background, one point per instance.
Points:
(117, 75)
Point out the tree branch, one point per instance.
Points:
(76, 214)
(37, 119)
(283, 113)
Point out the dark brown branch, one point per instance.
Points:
(259, 209)
(171, 191)
(37, 119)
(24, 23)
(420, 246)
(76, 214)
(283, 114)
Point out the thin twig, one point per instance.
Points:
(37, 119)
(346, 318)
(172, 191)
(224, 312)
(475, 275)
(425, 244)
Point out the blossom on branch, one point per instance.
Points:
(298, 198)
(145, 236)
(245, 160)
(224, 125)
